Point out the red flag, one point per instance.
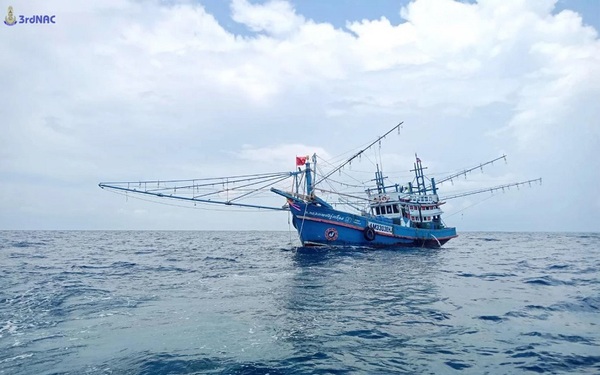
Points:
(300, 160)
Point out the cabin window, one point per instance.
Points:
(389, 209)
(377, 210)
(396, 210)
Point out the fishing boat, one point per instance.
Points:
(385, 215)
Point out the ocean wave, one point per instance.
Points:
(546, 281)
(194, 303)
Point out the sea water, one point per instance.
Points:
(121, 302)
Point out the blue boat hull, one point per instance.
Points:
(318, 225)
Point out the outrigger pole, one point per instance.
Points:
(464, 172)
(191, 186)
(492, 189)
(161, 195)
(355, 155)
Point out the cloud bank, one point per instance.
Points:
(126, 90)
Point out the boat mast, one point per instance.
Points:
(420, 178)
(309, 184)
(379, 181)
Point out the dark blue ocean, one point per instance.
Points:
(253, 303)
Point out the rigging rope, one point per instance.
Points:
(157, 201)
(474, 204)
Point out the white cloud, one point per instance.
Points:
(146, 90)
(283, 155)
(276, 17)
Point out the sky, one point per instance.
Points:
(142, 90)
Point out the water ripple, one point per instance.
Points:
(249, 303)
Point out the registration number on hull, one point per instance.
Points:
(381, 227)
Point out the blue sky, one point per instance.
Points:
(132, 90)
(338, 13)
